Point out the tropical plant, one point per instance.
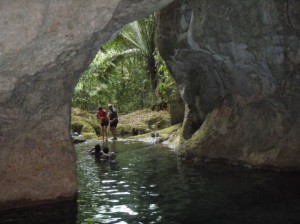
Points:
(127, 72)
(139, 37)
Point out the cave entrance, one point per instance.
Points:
(129, 73)
(44, 48)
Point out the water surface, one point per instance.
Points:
(146, 183)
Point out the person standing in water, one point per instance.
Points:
(113, 121)
(102, 116)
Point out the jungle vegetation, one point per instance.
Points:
(127, 72)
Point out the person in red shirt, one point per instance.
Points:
(102, 116)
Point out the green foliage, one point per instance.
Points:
(127, 72)
(167, 87)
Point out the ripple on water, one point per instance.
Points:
(108, 181)
(155, 187)
(122, 209)
(104, 219)
(147, 184)
(121, 193)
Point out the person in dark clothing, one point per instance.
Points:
(96, 150)
(113, 121)
(104, 154)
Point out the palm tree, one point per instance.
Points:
(139, 38)
(131, 56)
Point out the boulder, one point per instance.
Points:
(238, 69)
(44, 48)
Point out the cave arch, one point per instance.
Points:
(45, 46)
(238, 77)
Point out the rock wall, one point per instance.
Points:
(44, 48)
(237, 64)
(238, 67)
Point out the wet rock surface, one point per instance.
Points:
(44, 48)
(238, 75)
(237, 66)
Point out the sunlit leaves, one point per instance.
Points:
(127, 72)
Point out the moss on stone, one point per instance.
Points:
(138, 122)
(194, 144)
(84, 123)
(89, 135)
(143, 121)
(165, 134)
(87, 128)
(170, 129)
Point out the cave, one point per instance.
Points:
(238, 75)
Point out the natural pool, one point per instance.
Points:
(146, 183)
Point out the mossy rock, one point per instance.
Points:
(176, 110)
(143, 121)
(84, 123)
(76, 112)
(138, 122)
(89, 135)
(76, 126)
(87, 128)
(164, 134)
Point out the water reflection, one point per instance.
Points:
(145, 183)
(124, 187)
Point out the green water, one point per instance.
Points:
(146, 183)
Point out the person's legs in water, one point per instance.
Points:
(113, 126)
(104, 125)
(113, 132)
(104, 133)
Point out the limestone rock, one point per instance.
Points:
(237, 66)
(44, 48)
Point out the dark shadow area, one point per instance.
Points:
(61, 212)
